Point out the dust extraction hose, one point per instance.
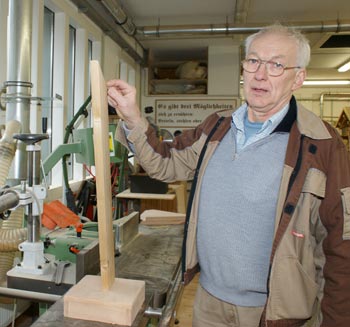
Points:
(11, 233)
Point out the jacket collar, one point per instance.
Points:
(286, 123)
(308, 123)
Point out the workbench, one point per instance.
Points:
(154, 256)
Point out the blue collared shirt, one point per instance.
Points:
(237, 124)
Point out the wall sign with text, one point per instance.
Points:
(188, 113)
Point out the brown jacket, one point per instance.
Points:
(309, 279)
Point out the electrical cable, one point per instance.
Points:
(69, 129)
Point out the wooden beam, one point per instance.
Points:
(103, 174)
(104, 298)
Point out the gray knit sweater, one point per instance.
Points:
(236, 218)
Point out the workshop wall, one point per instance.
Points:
(87, 34)
(174, 102)
(326, 102)
(222, 89)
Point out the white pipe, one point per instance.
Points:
(28, 295)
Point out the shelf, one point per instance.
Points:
(146, 196)
(179, 81)
(178, 72)
(178, 86)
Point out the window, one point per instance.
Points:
(71, 90)
(90, 52)
(123, 70)
(47, 78)
(89, 59)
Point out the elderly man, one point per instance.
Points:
(268, 222)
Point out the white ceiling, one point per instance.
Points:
(147, 12)
(245, 13)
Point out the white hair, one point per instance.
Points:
(303, 53)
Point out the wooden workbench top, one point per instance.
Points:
(153, 256)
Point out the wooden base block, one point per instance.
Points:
(160, 217)
(118, 305)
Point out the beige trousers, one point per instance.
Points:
(208, 311)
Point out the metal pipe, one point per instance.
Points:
(28, 295)
(174, 295)
(151, 312)
(18, 85)
(221, 29)
(120, 16)
(33, 219)
(8, 201)
(334, 96)
(33, 226)
(99, 14)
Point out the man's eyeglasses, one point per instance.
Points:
(251, 65)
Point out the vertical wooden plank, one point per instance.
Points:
(103, 174)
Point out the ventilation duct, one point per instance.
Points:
(18, 85)
(158, 31)
(121, 18)
(110, 17)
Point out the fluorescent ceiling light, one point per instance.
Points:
(344, 68)
(321, 82)
(331, 82)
